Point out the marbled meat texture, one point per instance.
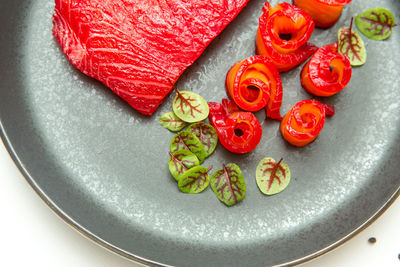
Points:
(139, 47)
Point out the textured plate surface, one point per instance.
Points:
(103, 166)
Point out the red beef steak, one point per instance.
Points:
(139, 47)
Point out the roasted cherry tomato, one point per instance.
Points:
(238, 131)
(327, 72)
(282, 35)
(255, 83)
(302, 124)
(324, 12)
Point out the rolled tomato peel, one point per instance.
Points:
(327, 72)
(324, 13)
(304, 121)
(255, 83)
(282, 35)
(238, 131)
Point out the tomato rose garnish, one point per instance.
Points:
(327, 72)
(238, 131)
(255, 83)
(324, 12)
(304, 121)
(282, 35)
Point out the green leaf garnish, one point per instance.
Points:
(172, 122)
(181, 161)
(228, 184)
(189, 106)
(351, 45)
(272, 177)
(187, 140)
(376, 23)
(207, 134)
(194, 180)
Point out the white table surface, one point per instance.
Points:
(33, 235)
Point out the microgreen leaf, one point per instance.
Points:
(228, 184)
(170, 121)
(187, 140)
(194, 180)
(189, 106)
(272, 177)
(351, 45)
(207, 134)
(181, 161)
(376, 23)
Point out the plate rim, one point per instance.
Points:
(69, 220)
(142, 260)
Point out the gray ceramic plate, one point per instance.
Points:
(103, 167)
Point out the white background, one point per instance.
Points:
(31, 234)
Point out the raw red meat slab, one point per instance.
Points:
(139, 47)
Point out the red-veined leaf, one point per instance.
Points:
(351, 45)
(189, 106)
(207, 134)
(180, 161)
(187, 140)
(228, 184)
(376, 23)
(195, 180)
(272, 177)
(172, 122)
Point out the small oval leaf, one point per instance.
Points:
(172, 122)
(228, 184)
(376, 23)
(352, 46)
(272, 177)
(181, 161)
(190, 107)
(187, 140)
(207, 134)
(195, 180)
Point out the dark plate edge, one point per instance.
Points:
(103, 243)
(349, 236)
(65, 217)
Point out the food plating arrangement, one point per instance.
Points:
(254, 83)
(206, 133)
